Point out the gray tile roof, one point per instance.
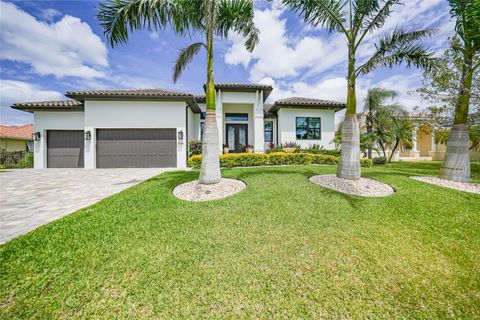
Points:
(129, 92)
(308, 103)
(49, 105)
(266, 88)
(200, 98)
(232, 85)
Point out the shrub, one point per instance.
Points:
(194, 147)
(324, 159)
(379, 160)
(27, 160)
(316, 149)
(282, 158)
(365, 162)
(277, 158)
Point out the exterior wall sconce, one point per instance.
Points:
(36, 136)
(180, 135)
(88, 135)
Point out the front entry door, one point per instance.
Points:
(237, 137)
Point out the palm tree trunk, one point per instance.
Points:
(456, 165)
(369, 131)
(349, 165)
(393, 150)
(210, 169)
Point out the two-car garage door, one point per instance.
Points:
(136, 148)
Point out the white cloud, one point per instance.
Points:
(67, 47)
(12, 91)
(50, 14)
(276, 54)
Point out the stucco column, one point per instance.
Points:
(415, 151)
(258, 124)
(219, 114)
(90, 150)
(40, 150)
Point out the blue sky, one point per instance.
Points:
(50, 47)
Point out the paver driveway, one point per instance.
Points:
(31, 198)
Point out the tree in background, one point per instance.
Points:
(373, 103)
(440, 85)
(209, 18)
(356, 19)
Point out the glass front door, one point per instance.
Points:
(237, 137)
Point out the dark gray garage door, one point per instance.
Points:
(136, 148)
(65, 149)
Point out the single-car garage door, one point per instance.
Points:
(136, 148)
(65, 149)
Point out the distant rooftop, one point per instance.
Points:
(17, 132)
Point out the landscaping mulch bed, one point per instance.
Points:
(364, 187)
(461, 186)
(195, 191)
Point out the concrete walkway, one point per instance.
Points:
(31, 198)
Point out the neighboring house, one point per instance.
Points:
(16, 138)
(152, 127)
(424, 146)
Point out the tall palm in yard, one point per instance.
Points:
(210, 18)
(356, 19)
(372, 105)
(456, 165)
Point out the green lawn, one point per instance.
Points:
(282, 248)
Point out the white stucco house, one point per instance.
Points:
(152, 127)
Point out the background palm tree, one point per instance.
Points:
(373, 102)
(456, 165)
(355, 19)
(210, 18)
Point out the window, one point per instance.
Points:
(308, 128)
(236, 117)
(202, 126)
(203, 115)
(268, 131)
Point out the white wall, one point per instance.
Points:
(287, 126)
(135, 114)
(51, 120)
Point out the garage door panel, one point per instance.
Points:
(136, 148)
(65, 149)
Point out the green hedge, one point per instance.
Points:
(276, 158)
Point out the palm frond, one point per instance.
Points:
(362, 9)
(375, 98)
(120, 17)
(375, 21)
(326, 13)
(467, 24)
(184, 58)
(399, 47)
(237, 15)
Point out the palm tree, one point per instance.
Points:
(211, 19)
(355, 19)
(372, 104)
(456, 165)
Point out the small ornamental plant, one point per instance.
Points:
(290, 146)
(248, 148)
(195, 148)
(226, 149)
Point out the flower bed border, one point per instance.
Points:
(272, 159)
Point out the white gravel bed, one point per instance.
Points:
(364, 187)
(194, 191)
(461, 186)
